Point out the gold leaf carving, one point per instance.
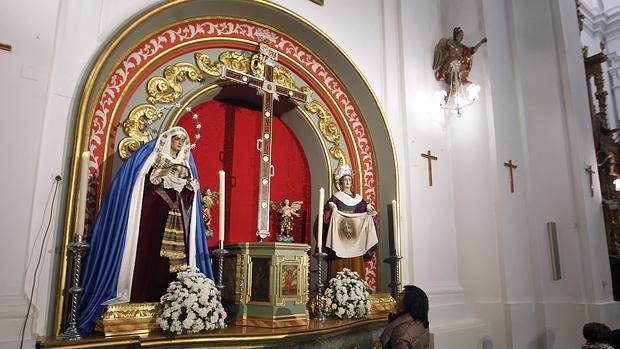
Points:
(329, 129)
(130, 310)
(327, 126)
(338, 154)
(283, 77)
(168, 88)
(258, 65)
(204, 64)
(135, 127)
(381, 303)
(235, 60)
(127, 146)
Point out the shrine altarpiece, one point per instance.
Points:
(163, 68)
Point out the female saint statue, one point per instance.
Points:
(149, 228)
(349, 226)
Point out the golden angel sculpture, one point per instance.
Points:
(208, 199)
(451, 54)
(287, 210)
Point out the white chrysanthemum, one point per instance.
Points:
(192, 304)
(347, 296)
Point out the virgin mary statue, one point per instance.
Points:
(148, 229)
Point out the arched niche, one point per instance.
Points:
(173, 32)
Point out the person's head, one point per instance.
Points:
(171, 163)
(346, 183)
(172, 142)
(414, 302)
(596, 332)
(343, 176)
(286, 202)
(176, 144)
(457, 34)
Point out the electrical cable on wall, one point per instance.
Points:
(34, 277)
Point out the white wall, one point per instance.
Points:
(25, 74)
(479, 251)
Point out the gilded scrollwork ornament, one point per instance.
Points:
(136, 128)
(338, 154)
(329, 129)
(204, 64)
(168, 88)
(235, 60)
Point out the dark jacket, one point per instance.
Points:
(405, 333)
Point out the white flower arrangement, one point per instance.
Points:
(347, 296)
(191, 304)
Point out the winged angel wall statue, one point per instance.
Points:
(453, 54)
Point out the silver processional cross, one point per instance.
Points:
(270, 91)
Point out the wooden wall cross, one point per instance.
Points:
(590, 172)
(430, 158)
(511, 167)
(5, 47)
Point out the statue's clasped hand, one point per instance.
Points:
(371, 210)
(192, 183)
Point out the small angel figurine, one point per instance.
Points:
(287, 210)
(208, 199)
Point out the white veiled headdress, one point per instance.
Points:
(173, 172)
(341, 171)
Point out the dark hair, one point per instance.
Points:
(415, 302)
(596, 332)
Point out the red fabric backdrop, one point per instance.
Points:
(228, 141)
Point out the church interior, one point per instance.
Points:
(261, 154)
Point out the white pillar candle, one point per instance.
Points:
(320, 221)
(396, 227)
(222, 204)
(82, 191)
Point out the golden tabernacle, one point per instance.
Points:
(266, 284)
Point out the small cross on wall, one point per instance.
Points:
(511, 167)
(429, 158)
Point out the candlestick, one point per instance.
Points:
(222, 204)
(318, 314)
(78, 249)
(82, 191)
(220, 253)
(395, 260)
(319, 234)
